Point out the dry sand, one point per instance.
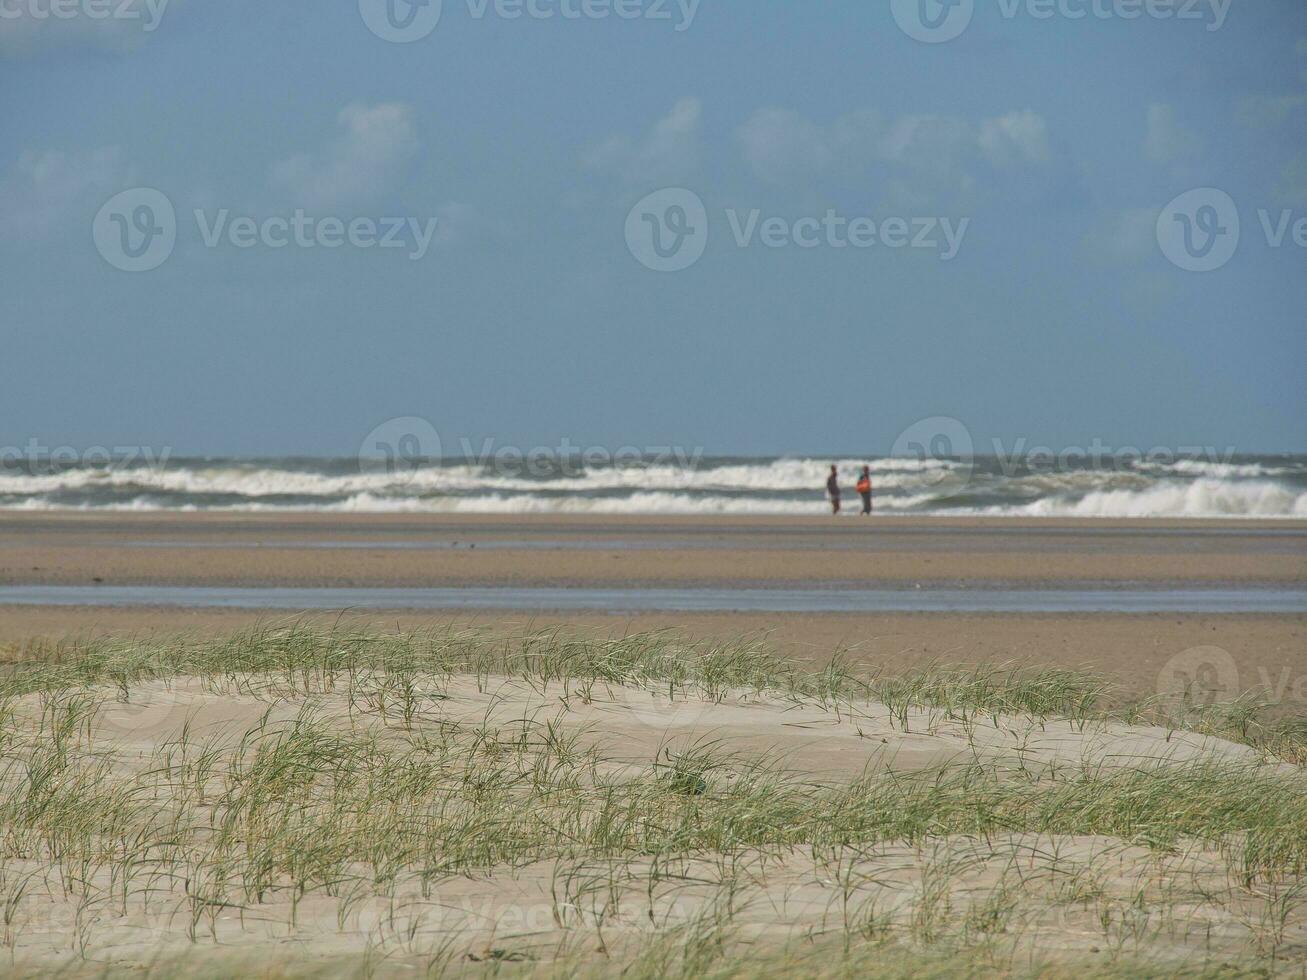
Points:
(530, 913)
(1135, 650)
(1085, 896)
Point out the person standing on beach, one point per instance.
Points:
(833, 489)
(864, 490)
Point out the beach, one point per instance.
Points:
(352, 744)
(333, 799)
(840, 515)
(356, 744)
(573, 551)
(631, 554)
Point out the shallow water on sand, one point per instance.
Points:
(976, 600)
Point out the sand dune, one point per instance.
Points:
(599, 804)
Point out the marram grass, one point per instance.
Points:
(950, 870)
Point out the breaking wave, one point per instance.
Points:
(1265, 487)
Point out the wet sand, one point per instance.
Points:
(322, 550)
(448, 551)
(1142, 655)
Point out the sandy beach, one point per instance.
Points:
(330, 747)
(471, 510)
(295, 802)
(429, 551)
(606, 787)
(443, 550)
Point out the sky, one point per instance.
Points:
(749, 226)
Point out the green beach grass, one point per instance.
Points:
(294, 801)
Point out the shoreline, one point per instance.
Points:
(825, 518)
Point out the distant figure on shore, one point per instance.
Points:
(864, 490)
(833, 490)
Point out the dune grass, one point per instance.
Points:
(310, 659)
(357, 789)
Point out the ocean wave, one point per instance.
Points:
(789, 486)
(777, 476)
(1227, 471)
(1204, 498)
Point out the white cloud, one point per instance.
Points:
(934, 144)
(919, 156)
(1124, 236)
(668, 152)
(121, 26)
(359, 165)
(1016, 139)
(780, 144)
(43, 189)
(1167, 141)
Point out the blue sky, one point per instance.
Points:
(1059, 140)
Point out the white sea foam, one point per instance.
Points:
(1203, 498)
(1223, 471)
(780, 486)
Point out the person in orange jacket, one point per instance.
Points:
(864, 490)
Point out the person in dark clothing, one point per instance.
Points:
(864, 490)
(833, 490)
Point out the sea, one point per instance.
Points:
(1072, 486)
